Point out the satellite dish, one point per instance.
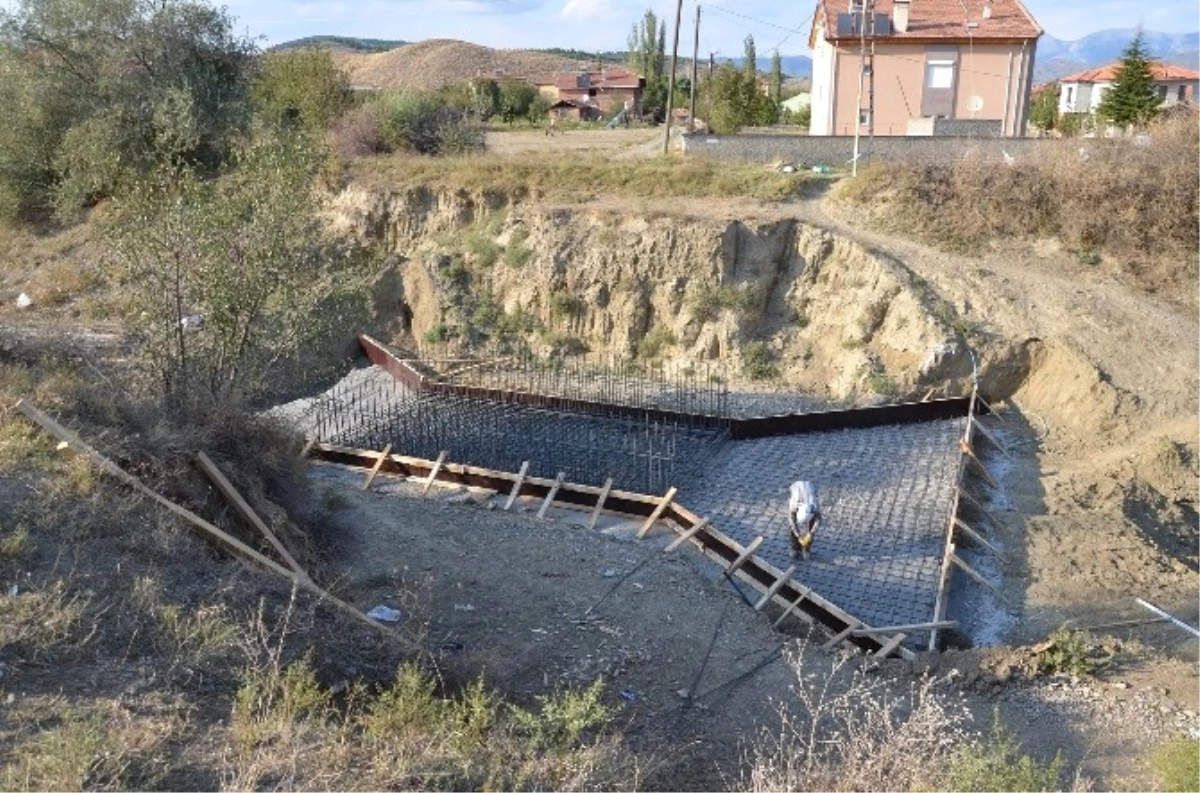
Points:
(975, 103)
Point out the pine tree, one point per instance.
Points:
(1132, 100)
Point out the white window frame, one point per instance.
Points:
(939, 67)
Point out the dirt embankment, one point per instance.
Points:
(777, 296)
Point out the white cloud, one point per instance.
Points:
(588, 9)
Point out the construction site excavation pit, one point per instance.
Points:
(888, 476)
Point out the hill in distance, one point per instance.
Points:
(341, 42)
(429, 65)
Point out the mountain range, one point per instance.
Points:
(1057, 58)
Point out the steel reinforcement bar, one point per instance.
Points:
(757, 572)
(738, 428)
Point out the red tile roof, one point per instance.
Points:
(943, 20)
(1163, 72)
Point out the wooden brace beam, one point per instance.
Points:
(516, 488)
(558, 480)
(687, 535)
(375, 469)
(778, 585)
(745, 555)
(658, 512)
(437, 466)
(608, 483)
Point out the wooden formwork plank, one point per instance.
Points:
(608, 483)
(516, 488)
(839, 638)
(658, 512)
(746, 553)
(433, 472)
(687, 535)
(541, 513)
(978, 507)
(992, 439)
(199, 524)
(308, 447)
(966, 568)
(977, 537)
(915, 626)
(247, 512)
(791, 606)
(778, 585)
(892, 644)
(375, 469)
(968, 450)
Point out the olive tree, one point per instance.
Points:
(99, 91)
(229, 278)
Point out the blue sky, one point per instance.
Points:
(604, 24)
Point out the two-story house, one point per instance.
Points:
(926, 65)
(606, 90)
(1083, 92)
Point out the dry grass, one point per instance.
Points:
(578, 178)
(845, 731)
(1138, 204)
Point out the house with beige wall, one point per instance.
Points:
(926, 64)
(1083, 92)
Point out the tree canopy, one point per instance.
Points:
(1132, 99)
(97, 91)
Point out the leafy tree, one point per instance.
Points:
(98, 91)
(736, 101)
(539, 108)
(301, 87)
(647, 57)
(426, 124)
(515, 98)
(1132, 99)
(485, 97)
(1043, 111)
(750, 59)
(247, 253)
(776, 84)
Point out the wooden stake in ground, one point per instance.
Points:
(516, 488)
(437, 466)
(379, 464)
(658, 512)
(608, 483)
(558, 481)
(247, 512)
(199, 524)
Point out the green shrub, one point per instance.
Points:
(880, 383)
(1070, 652)
(758, 362)
(564, 718)
(1176, 763)
(565, 304)
(272, 702)
(517, 256)
(483, 249)
(997, 763)
(652, 344)
(438, 334)
(564, 343)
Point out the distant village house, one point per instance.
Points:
(588, 95)
(1083, 92)
(933, 67)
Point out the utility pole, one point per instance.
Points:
(712, 62)
(695, 57)
(671, 83)
(866, 79)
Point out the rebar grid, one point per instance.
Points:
(701, 390)
(884, 492)
(646, 456)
